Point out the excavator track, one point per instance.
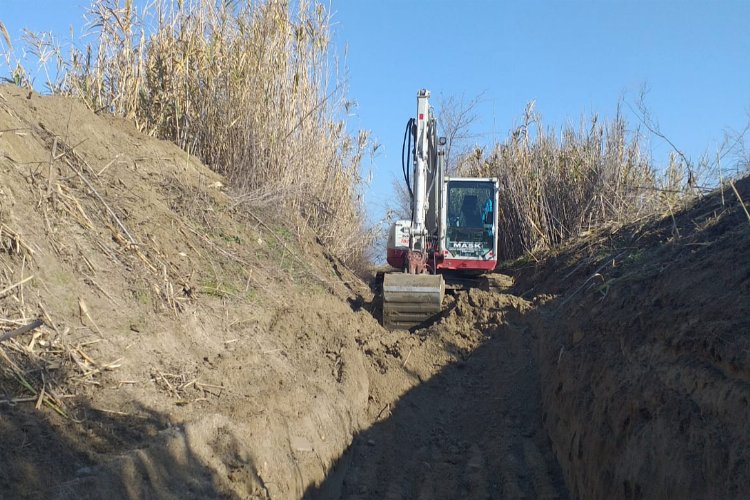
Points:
(410, 300)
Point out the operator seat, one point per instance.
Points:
(470, 211)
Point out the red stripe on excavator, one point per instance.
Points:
(479, 265)
(397, 259)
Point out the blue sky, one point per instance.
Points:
(571, 57)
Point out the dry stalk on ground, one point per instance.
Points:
(37, 359)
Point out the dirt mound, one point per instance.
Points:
(190, 347)
(644, 354)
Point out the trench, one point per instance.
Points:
(473, 430)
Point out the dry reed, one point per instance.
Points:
(250, 88)
(555, 187)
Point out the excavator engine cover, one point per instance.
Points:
(411, 299)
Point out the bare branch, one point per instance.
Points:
(456, 116)
(652, 125)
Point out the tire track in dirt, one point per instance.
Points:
(474, 430)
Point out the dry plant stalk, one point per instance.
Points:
(33, 353)
(739, 198)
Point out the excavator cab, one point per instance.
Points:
(464, 244)
(470, 222)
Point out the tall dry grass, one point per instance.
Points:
(555, 186)
(250, 87)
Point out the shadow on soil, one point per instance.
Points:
(645, 355)
(49, 457)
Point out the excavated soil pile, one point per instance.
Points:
(644, 355)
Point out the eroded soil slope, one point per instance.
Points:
(644, 354)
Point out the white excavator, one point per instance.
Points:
(452, 233)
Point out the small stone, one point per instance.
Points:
(300, 443)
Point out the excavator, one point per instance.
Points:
(452, 233)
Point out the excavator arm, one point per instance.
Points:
(416, 294)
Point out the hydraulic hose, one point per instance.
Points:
(433, 158)
(405, 151)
